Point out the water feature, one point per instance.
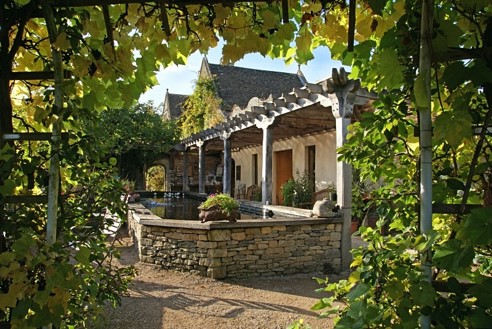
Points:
(182, 208)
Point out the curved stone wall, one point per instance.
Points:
(255, 247)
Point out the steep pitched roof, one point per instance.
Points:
(173, 105)
(237, 85)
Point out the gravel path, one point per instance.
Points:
(167, 299)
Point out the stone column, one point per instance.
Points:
(342, 100)
(267, 155)
(185, 171)
(201, 166)
(168, 169)
(226, 174)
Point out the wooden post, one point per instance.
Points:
(425, 61)
(54, 170)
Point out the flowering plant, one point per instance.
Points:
(222, 201)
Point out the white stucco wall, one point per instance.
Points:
(325, 162)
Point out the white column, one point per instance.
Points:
(342, 107)
(226, 174)
(185, 171)
(201, 166)
(267, 156)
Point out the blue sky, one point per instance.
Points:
(180, 79)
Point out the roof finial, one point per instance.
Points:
(301, 75)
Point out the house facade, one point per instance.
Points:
(231, 157)
(273, 138)
(313, 155)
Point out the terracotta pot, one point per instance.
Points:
(215, 213)
(355, 226)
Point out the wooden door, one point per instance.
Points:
(283, 170)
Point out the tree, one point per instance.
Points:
(389, 286)
(201, 110)
(111, 51)
(100, 55)
(136, 136)
(156, 178)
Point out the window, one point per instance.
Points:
(255, 169)
(238, 173)
(311, 163)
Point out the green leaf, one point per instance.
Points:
(453, 255)
(389, 69)
(428, 242)
(453, 127)
(483, 292)
(303, 48)
(6, 258)
(8, 187)
(423, 294)
(231, 53)
(477, 227)
(480, 73)
(25, 246)
(479, 318)
(322, 303)
(360, 290)
(455, 184)
(83, 255)
(377, 6)
(454, 75)
(113, 161)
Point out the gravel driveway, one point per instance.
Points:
(167, 299)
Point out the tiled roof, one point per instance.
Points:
(237, 85)
(174, 105)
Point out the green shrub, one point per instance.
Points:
(298, 191)
(224, 201)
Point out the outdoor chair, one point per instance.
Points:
(317, 196)
(251, 191)
(241, 191)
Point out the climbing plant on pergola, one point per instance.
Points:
(61, 62)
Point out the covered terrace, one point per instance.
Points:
(326, 106)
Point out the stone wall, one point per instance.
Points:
(255, 247)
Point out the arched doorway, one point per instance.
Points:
(156, 178)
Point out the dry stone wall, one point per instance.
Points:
(242, 249)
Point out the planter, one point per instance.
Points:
(354, 227)
(215, 213)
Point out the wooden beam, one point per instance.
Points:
(351, 26)
(285, 11)
(456, 54)
(89, 3)
(26, 199)
(37, 75)
(453, 209)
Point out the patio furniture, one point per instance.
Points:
(240, 192)
(251, 191)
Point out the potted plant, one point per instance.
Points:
(219, 207)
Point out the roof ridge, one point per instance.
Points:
(177, 94)
(251, 69)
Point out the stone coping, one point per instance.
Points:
(145, 217)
